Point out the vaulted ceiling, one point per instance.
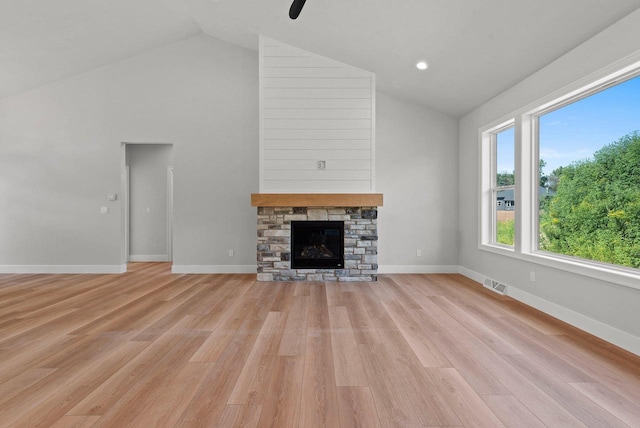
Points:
(475, 48)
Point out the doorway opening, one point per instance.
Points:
(148, 202)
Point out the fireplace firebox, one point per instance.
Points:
(317, 244)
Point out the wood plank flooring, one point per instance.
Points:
(151, 349)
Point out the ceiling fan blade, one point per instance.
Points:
(296, 8)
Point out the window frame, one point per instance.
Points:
(489, 145)
(526, 122)
(495, 189)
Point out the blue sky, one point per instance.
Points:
(576, 131)
(505, 142)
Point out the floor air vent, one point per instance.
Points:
(495, 286)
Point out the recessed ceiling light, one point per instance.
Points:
(422, 65)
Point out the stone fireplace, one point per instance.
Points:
(358, 214)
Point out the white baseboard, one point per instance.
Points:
(148, 258)
(63, 269)
(213, 269)
(599, 329)
(477, 277)
(418, 269)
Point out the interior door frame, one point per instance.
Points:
(126, 206)
(127, 202)
(170, 214)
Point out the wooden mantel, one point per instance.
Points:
(316, 199)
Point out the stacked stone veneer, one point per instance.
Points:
(360, 243)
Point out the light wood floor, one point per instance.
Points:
(152, 349)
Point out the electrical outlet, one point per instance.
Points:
(230, 253)
(419, 253)
(532, 276)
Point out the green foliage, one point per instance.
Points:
(505, 232)
(505, 179)
(595, 213)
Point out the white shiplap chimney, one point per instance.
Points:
(317, 123)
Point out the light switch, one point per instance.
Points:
(104, 210)
(322, 164)
(148, 209)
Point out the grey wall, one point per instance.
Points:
(148, 196)
(61, 155)
(599, 305)
(417, 172)
(61, 152)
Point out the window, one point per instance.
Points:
(502, 183)
(574, 164)
(589, 177)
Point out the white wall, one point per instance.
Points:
(606, 309)
(148, 196)
(417, 171)
(314, 109)
(61, 154)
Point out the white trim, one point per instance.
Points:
(418, 269)
(126, 216)
(471, 274)
(260, 113)
(626, 277)
(213, 269)
(597, 328)
(373, 133)
(124, 206)
(63, 269)
(170, 172)
(148, 258)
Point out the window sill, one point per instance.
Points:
(626, 277)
